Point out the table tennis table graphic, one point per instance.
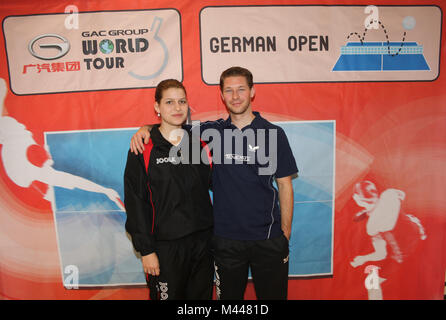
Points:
(381, 56)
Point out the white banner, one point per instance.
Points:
(322, 43)
(93, 50)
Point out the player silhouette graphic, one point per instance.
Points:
(17, 142)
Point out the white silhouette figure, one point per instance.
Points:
(383, 212)
(16, 140)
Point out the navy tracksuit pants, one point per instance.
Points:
(268, 260)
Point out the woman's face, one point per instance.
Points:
(173, 106)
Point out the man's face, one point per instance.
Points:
(237, 95)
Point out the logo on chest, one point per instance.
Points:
(173, 160)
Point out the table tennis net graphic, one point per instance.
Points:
(381, 56)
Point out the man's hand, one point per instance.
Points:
(286, 203)
(151, 264)
(140, 138)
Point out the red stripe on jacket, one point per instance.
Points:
(208, 152)
(147, 150)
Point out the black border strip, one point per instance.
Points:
(326, 5)
(81, 12)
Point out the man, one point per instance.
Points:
(251, 229)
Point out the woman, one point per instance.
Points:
(169, 211)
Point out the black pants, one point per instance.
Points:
(268, 260)
(186, 269)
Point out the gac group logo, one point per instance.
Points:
(54, 49)
(89, 51)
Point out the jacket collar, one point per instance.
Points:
(157, 137)
(255, 124)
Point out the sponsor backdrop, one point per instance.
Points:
(357, 88)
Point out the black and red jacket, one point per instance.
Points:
(166, 197)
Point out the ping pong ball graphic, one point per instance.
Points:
(409, 23)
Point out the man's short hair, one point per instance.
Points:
(236, 72)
